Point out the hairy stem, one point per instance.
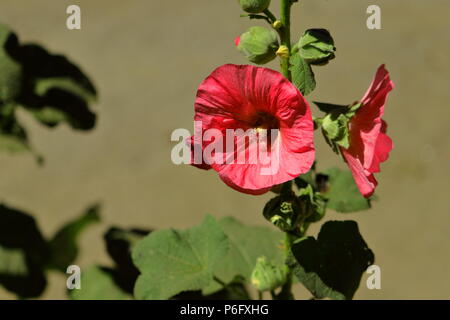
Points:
(286, 289)
(285, 34)
(285, 39)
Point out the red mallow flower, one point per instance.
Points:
(369, 144)
(237, 40)
(252, 98)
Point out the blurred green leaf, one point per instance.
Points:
(49, 86)
(23, 253)
(342, 192)
(332, 265)
(173, 261)
(267, 275)
(10, 69)
(13, 137)
(302, 75)
(64, 246)
(97, 283)
(56, 90)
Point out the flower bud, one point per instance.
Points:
(277, 24)
(335, 128)
(316, 46)
(266, 276)
(254, 6)
(283, 52)
(284, 211)
(258, 44)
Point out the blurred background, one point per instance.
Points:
(147, 59)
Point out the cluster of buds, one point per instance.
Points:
(260, 45)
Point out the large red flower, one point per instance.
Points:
(369, 144)
(255, 100)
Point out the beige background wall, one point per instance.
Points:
(147, 59)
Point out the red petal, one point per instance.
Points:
(365, 181)
(369, 145)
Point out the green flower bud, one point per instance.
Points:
(314, 204)
(316, 46)
(283, 52)
(284, 211)
(277, 24)
(254, 6)
(259, 44)
(266, 276)
(336, 129)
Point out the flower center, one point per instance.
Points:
(264, 120)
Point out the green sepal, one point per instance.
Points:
(259, 44)
(336, 129)
(335, 124)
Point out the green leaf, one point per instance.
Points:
(342, 192)
(302, 75)
(97, 283)
(303, 180)
(316, 46)
(247, 244)
(63, 246)
(173, 261)
(44, 85)
(331, 108)
(23, 253)
(235, 290)
(332, 265)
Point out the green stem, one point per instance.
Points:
(285, 39)
(270, 15)
(286, 289)
(273, 295)
(285, 34)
